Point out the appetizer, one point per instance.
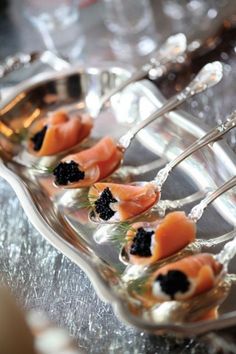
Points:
(146, 244)
(118, 202)
(186, 278)
(88, 166)
(58, 132)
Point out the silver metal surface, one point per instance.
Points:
(215, 134)
(197, 211)
(171, 52)
(20, 60)
(57, 214)
(210, 75)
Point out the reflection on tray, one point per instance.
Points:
(61, 214)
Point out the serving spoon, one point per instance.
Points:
(88, 173)
(145, 194)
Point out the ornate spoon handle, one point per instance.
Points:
(208, 76)
(164, 205)
(227, 253)
(197, 211)
(170, 52)
(214, 135)
(20, 60)
(217, 240)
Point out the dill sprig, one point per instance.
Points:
(119, 235)
(87, 201)
(46, 169)
(50, 169)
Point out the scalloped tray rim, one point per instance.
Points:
(103, 290)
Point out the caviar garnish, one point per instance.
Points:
(102, 204)
(67, 172)
(38, 138)
(141, 243)
(173, 282)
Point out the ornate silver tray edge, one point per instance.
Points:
(101, 287)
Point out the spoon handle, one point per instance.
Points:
(227, 253)
(170, 52)
(197, 211)
(214, 135)
(208, 76)
(217, 240)
(138, 75)
(20, 60)
(164, 205)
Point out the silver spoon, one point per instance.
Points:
(107, 231)
(222, 260)
(207, 77)
(210, 75)
(187, 246)
(172, 51)
(157, 183)
(190, 310)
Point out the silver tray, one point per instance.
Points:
(56, 215)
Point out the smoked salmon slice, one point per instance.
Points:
(186, 278)
(58, 132)
(114, 201)
(90, 165)
(147, 244)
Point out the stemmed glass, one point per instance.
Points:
(58, 22)
(132, 26)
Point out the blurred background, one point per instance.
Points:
(98, 30)
(89, 32)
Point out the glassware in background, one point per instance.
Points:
(58, 23)
(189, 13)
(132, 26)
(179, 10)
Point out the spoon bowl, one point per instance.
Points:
(190, 311)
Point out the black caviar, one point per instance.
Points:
(173, 282)
(38, 138)
(102, 204)
(67, 172)
(141, 243)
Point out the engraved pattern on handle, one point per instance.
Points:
(208, 76)
(197, 211)
(17, 61)
(164, 205)
(214, 135)
(170, 52)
